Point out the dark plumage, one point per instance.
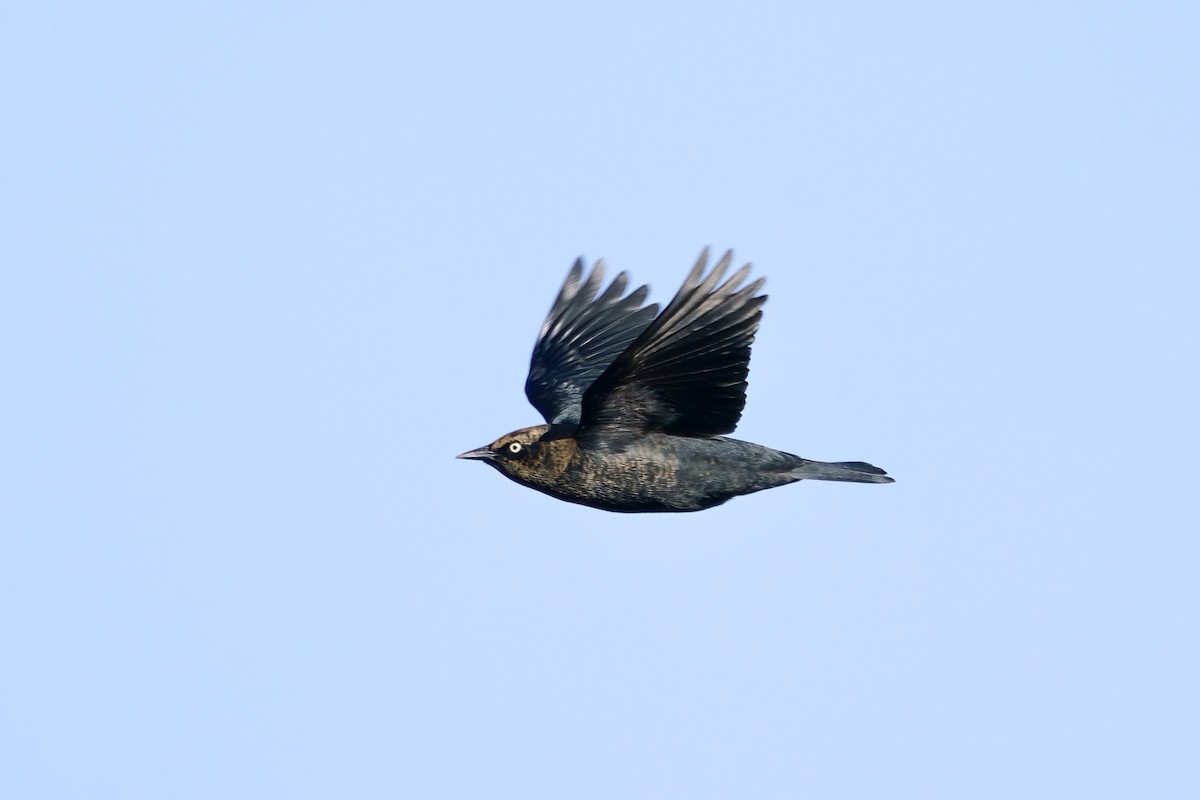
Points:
(636, 401)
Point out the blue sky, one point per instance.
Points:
(268, 267)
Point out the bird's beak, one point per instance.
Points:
(482, 454)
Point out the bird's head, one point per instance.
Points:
(514, 454)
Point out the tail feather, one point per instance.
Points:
(855, 471)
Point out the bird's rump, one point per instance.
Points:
(686, 373)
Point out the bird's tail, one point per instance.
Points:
(856, 471)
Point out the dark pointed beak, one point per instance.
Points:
(482, 454)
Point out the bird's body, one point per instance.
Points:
(636, 403)
(661, 472)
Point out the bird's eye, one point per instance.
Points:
(515, 449)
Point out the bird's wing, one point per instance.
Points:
(585, 330)
(686, 373)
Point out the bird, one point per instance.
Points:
(637, 402)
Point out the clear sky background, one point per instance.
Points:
(267, 267)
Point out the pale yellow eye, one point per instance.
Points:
(514, 447)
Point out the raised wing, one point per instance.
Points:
(686, 373)
(584, 331)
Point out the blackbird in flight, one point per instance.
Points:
(636, 401)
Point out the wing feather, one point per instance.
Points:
(584, 332)
(686, 373)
